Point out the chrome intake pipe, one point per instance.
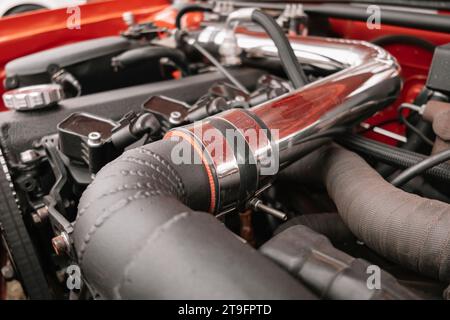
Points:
(242, 149)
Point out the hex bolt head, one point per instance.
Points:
(61, 243)
(42, 212)
(28, 156)
(7, 272)
(94, 139)
(175, 117)
(36, 218)
(40, 215)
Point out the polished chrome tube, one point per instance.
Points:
(368, 80)
(258, 45)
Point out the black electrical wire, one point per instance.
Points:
(190, 8)
(217, 64)
(412, 127)
(414, 142)
(420, 167)
(332, 132)
(393, 156)
(288, 59)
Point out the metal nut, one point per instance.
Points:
(175, 117)
(28, 156)
(7, 272)
(40, 215)
(61, 243)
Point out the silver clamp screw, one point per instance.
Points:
(257, 205)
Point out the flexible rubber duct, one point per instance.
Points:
(405, 228)
(137, 238)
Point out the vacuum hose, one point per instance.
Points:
(288, 59)
(287, 56)
(190, 8)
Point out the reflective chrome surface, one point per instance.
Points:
(366, 80)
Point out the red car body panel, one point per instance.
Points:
(414, 60)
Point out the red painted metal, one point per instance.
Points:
(414, 60)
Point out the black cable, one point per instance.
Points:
(291, 66)
(414, 142)
(417, 132)
(325, 134)
(137, 56)
(410, 126)
(393, 156)
(190, 8)
(219, 67)
(420, 167)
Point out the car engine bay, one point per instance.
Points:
(253, 155)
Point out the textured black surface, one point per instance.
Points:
(402, 227)
(20, 244)
(20, 129)
(331, 273)
(439, 74)
(137, 237)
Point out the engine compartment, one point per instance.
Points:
(231, 160)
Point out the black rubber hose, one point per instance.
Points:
(139, 55)
(420, 167)
(138, 236)
(329, 272)
(394, 156)
(190, 8)
(403, 227)
(328, 224)
(409, 19)
(414, 142)
(291, 66)
(413, 128)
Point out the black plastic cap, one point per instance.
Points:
(439, 76)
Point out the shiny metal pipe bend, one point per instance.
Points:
(368, 80)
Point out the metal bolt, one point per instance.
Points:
(28, 156)
(36, 218)
(175, 117)
(257, 205)
(7, 271)
(42, 212)
(40, 215)
(61, 243)
(94, 139)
